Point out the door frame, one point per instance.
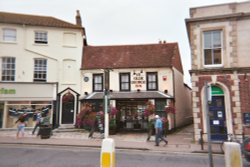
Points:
(228, 111)
(218, 136)
(76, 104)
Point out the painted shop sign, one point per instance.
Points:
(7, 91)
(138, 79)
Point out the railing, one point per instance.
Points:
(230, 138)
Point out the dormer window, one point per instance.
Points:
(212, 48)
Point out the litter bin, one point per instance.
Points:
(45, 131)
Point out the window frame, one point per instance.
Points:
(121, 82)
(8, 70)
(9, 37)
(149, 82)
(41, 37)
(100, 83)
(212, 48)
(40, 70)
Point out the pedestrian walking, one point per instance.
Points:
(158, 131)
(38, 122)
(21, 125)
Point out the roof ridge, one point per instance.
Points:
(145, 44)
(35, 20)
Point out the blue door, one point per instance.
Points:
(218, 118)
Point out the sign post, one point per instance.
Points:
(208, 100)
(106, 92)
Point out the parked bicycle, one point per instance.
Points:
(231, 138)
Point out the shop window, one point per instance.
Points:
(212, 48)
(124, 82)
(152, 83)
(15, 110)
(97, 82)
(8, 68)
(40, 70)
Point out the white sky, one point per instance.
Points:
(116, 22)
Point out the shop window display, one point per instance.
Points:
(30, 110)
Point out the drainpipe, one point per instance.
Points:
(57, 106)
(173, 76)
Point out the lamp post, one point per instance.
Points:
(106, 102)
(208, 99)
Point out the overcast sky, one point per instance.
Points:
(117, 22)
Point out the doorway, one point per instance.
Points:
(217, 116)
(68, 106)
(132, 114)
(1, 114)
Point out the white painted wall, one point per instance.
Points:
(114, 79)
(63, 53)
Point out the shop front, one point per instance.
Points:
(25, 98)
(130, 107)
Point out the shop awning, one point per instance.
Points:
(128, 95)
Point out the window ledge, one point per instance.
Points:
(69, 46)
(9, 42)
(213, 66)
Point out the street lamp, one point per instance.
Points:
(106, 102)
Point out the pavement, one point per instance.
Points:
(180, 141)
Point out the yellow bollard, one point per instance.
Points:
(232, 154)
(108, 153)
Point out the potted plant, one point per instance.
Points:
(112, 120)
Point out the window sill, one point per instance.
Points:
(69, 46)
(9, 42)
(213, 66)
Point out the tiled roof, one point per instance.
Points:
(132, 56)
(128, 95)
(34, 20)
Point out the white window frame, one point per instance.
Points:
(152, 81)
(40, 70)
(9, 35)
(212, 48)
(8, 70)
(124, 81)
(97, 82)
(41, 37)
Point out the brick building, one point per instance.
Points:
(219, 39)
(138, 74)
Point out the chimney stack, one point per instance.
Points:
(78, 18)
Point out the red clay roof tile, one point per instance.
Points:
(34, 20)
(132, 56)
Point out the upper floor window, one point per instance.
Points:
(212, 47)
(9, 35)
(97, 82)
(125, 81)
(152, 81)
(8, 68)
(40, 70)
(41, 37)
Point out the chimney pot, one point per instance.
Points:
(78, 18)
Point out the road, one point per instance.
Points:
(40, 156)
